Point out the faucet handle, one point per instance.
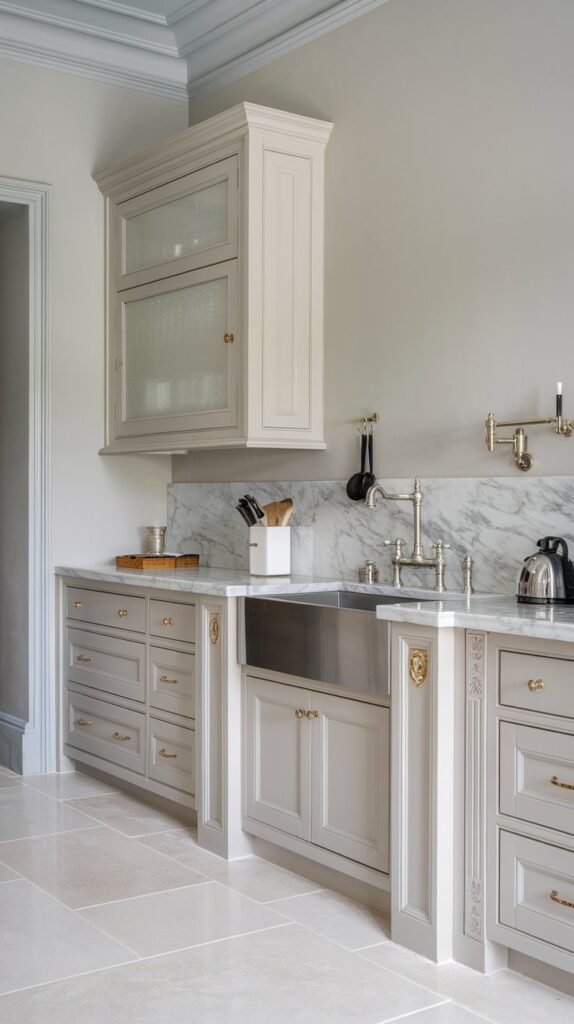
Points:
(439, 545)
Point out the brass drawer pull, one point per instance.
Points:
(535, 684)
(83, 722)
(83, 657)
(312, 714)
(299, 713)
(563, 785)
(169, 757)
(118, 736)
(167, 621)
(122, 612)
(165, 679)
(556, 898)
(77, 604)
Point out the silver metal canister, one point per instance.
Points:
(369, 572)
(156, 540)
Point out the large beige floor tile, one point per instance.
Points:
(184, 917)
(130, 816)
(6, 874)
(259, 879)
(181, 845)
(94, 866)
(68, 785)
(446, 1013)
(503, 997)
(281, 976)
(350, 924)
(41, 940)
(24, 812)
(7, 781)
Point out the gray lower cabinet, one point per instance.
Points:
(130, 699)
(316, 767)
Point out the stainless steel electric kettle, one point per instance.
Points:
(547, 577)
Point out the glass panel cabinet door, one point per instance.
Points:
(177, 354)
(189, 223)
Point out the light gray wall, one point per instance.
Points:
(14, 461)
(449, 233)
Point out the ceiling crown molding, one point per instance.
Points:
(165, 47)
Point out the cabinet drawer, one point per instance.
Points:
(534, 878)
(537, 683)
(172, 755)
(116, 734)
(172, 681)
(537, 776)
(171, 620)
(116, 610)
(107, 663)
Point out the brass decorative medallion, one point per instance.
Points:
(214, 629)
(418, 667)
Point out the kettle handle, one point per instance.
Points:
(551, 545)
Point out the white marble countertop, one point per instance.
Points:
(231, 582)
(491, 612)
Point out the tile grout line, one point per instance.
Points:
(295, 896)
(143, 895)
(45, 835)
(412, 1013)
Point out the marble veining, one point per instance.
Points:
(495, 519)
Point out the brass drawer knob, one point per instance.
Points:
(167, 621)
(563, 785)
(167, 680)
(122, 612)
(168, 757)
(557, 898)
(535, 684)
(312, 714)
(77, 604)
(83, 722)
(299, 713)
(83, 657)
(118, 736)
(228, 338)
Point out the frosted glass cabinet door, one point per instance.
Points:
(177, 354)
(189, 223)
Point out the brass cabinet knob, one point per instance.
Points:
(83, 722)
(170, 682)
(312, 714)
(299, 713)
(77, 604)
(122, 612)
(168, 757)
(118, 736)
(228, 338)
(167, 621)
(535, 684)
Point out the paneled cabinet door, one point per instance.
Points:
(180, 226)
(278, 756)
(177, 358)
(350, 812)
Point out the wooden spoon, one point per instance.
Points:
(278, 513)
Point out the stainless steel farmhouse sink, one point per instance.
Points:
(332, 637)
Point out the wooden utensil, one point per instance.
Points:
(278, 513)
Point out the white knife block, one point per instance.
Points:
(270, 550)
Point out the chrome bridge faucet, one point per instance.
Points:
(417, 556)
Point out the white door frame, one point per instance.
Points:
(36, 736)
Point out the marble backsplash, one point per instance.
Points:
(495, 519)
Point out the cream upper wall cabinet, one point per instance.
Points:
(215, 287)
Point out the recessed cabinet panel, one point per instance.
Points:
(179, 369)
(537, 889)
(172, 681)
(351, 780)
(189, 223)
(278, 757)
(537, 683)
(286, 291)
(107, 663)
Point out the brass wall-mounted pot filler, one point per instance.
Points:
(519, 441)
